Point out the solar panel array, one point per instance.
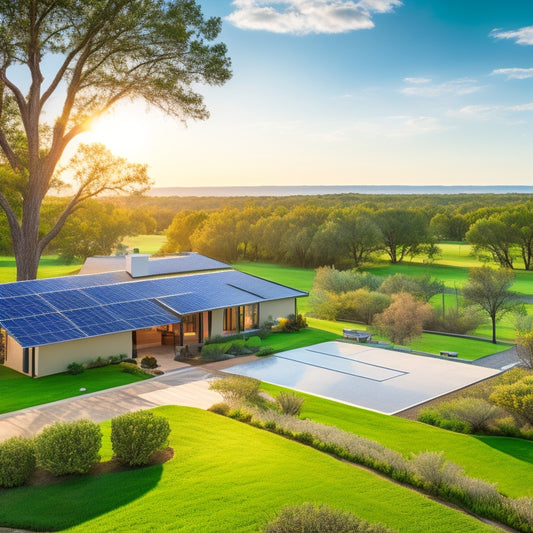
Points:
(55, 310)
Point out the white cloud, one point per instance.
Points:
(308, 16)
(521, 36)
(454, 87)
(493, 112)
(416, 80)
(515, 73)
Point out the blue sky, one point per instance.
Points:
(334, 92)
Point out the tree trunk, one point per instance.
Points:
(493, 318)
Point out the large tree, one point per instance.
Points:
(488, 288)
(92, 54)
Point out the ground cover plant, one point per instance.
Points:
(429, 472)
(20, 391)
(502, 460)
(272, 473)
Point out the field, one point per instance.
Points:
(225, 476)
(505, 461)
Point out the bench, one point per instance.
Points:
(448, 353)
(356, 335)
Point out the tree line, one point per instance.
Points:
(344, 230)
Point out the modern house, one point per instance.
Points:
(130, 302)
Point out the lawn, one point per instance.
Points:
(502, 460)
(50, 266)
(147, 244)
(19, 391)
(225, 476)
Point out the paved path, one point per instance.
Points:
(187, 386)
(500, 361)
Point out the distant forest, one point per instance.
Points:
(345, 230)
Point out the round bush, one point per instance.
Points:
(136, 436)
(307, 518)
(69, 447)
(149, 361)
(75, 368)
(17, 461)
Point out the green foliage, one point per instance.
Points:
(516, 398)
(460, 320)
(308, 518)
(254, 341)
(17, 461)
(524, 347)
(220, 408)
(98, 362)
(235, 388)
(337, 281)
(264, 351)
(488, 289)
(215, 351)
(133, 369)
(68, 447)
(136, 436)
(290, 324)
(475, 414)
(75, 368)
(289, 403)
(149, 361)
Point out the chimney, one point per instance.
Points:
(137, 265)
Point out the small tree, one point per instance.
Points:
(404, 319)
(524, 348)
(488, 288)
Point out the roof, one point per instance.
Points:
(48, 311)
(172, 264)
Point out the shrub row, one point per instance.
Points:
(73, 447)
(77, 368)
(230, 346)
(427, 471)
(501, 407)
(319, 519)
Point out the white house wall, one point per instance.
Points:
(277, 309)
(217, 322)
(54, 358)
(14, 354)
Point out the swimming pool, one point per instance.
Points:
(357, 374)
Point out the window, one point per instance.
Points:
(249, 317)
(230, 319)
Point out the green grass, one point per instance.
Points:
(147, 244)
(502, 460)
(470, 349)
(225, 476)
(19, 391)
(50, 266)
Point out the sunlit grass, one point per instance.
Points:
(147, 244)
(225, 477)
(502, 460)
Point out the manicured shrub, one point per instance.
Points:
(130, 360)
(253, 342)
(75, 368)
(98, 362)
(308, 518)
(265, 350)
(289, 403)
(136, 436)
(131, 368)
(235, 388)
(220, 408)
(290, 324)
(69, 447)
(148, 361)
(215, 352)
(17, 461)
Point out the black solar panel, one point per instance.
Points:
(60, 309)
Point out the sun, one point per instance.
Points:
(127, 131)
